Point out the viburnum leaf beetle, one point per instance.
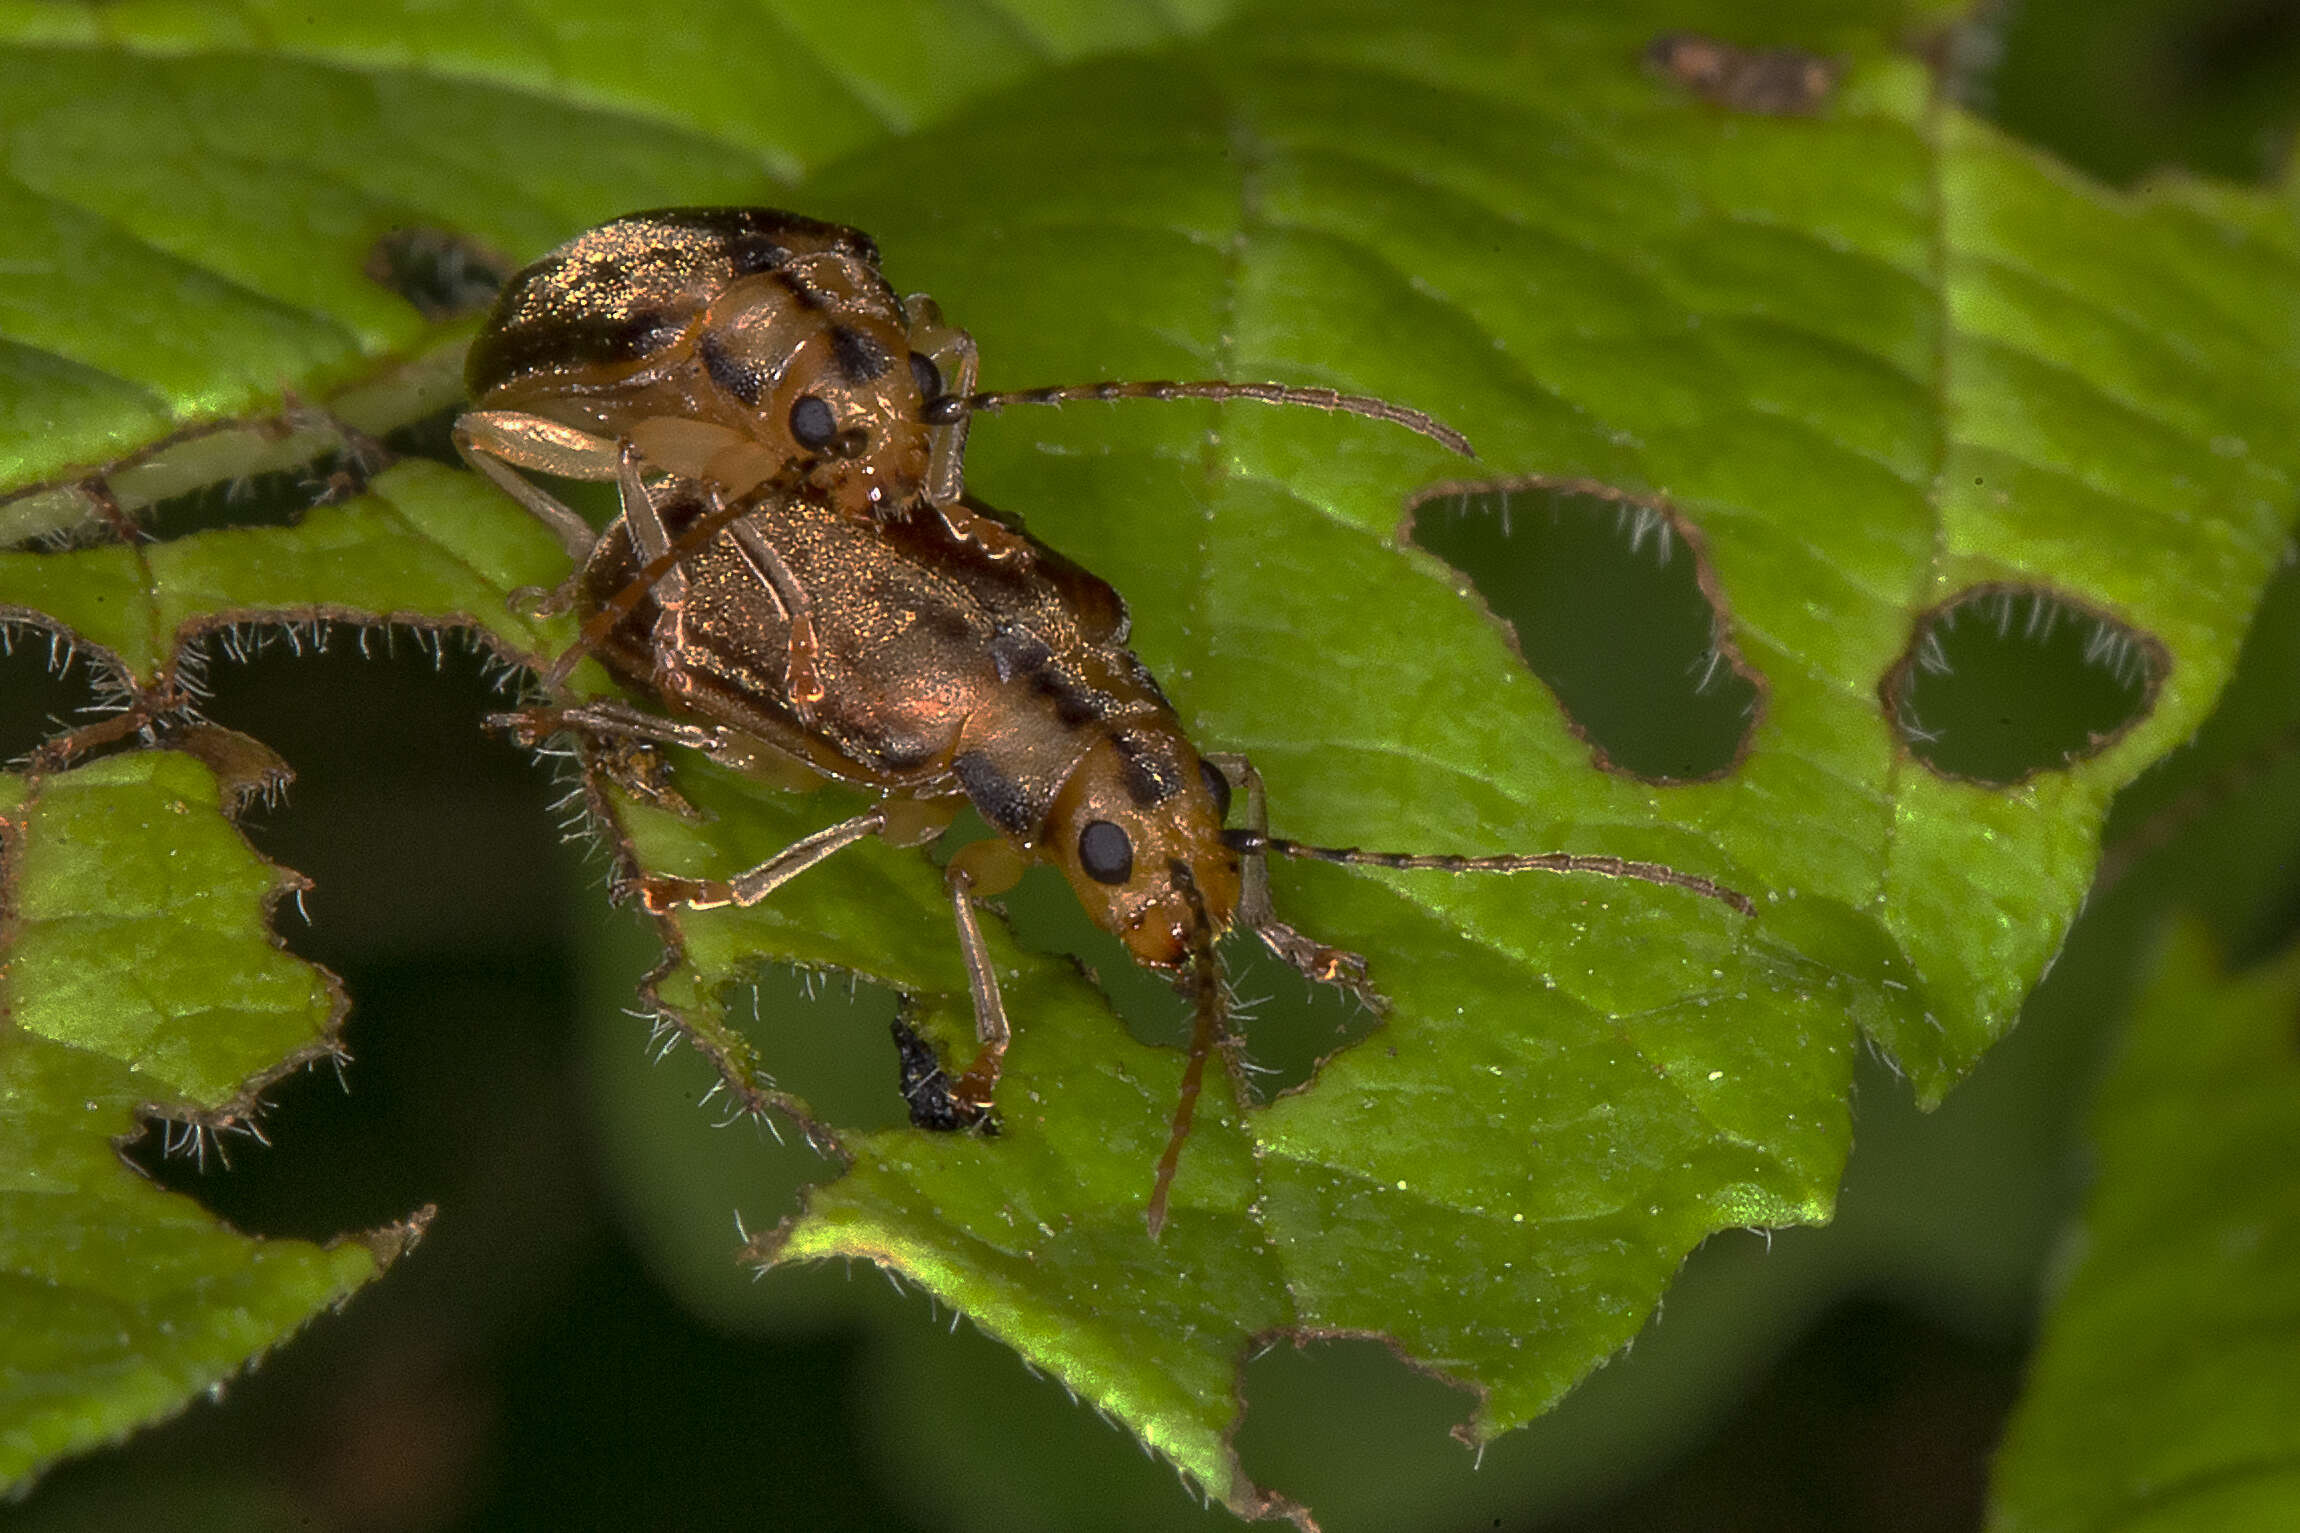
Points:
(778, 591)
(949, 676)
(737, 345)
(728, 344)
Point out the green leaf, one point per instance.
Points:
(1874, 357)
(138, 975)
(2166, 1392)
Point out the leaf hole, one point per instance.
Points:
(1611, 602)
(2002, 682)
(278, 499)
(428, 436)
(47, 686)
(1285, 1024)
(324, 451)
(1345, 1421)
(443, 274)
(443, 899)
(826, 1036)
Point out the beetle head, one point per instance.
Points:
(815, 359)
(1137, 829)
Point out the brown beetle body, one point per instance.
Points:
(730, 345)
(743, 346)
(944, 674)
(780, 426)
(940, 675)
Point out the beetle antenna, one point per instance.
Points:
(1251, 841)
(1205, 986)
(951, 407)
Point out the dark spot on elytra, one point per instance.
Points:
(1771, 82)
(1147, 770)
(945, 623)
(728, 371)
(803, 293)
(1019, 655)
(2002, 682)
(681, 504)
(505, 353)
(896, 753)
(1609, 598)
(925, 377)
(1018, 652)
(751, 254)
(1217, 787)
(998, 798)
(443, 274)
(1074, 704)
(860, 359)
(642, 333)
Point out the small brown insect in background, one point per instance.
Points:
(1770, 82)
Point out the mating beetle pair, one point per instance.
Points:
(799, 577)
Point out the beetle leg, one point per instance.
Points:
(500, 442)
(644, 520)
(967, 525)
(1334, 966)
(802, 680)
(661, 575)
(652, 537)
(609, 721)
(663, 892)
(978, 869)
(618, 741)
(952, 352)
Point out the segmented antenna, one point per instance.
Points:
(1205, 984)
(1540, 862)
(951, 407)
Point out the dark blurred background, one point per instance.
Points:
(573, 1344)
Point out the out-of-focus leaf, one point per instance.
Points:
(138, 973)
(2166, 1392)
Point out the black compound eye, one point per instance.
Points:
(812, 423)
(1218, 786)
(926, 375)
(1105, 853)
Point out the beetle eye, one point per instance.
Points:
(1218, 786)
(812, 423)
(1105, 852)
(926, 375)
